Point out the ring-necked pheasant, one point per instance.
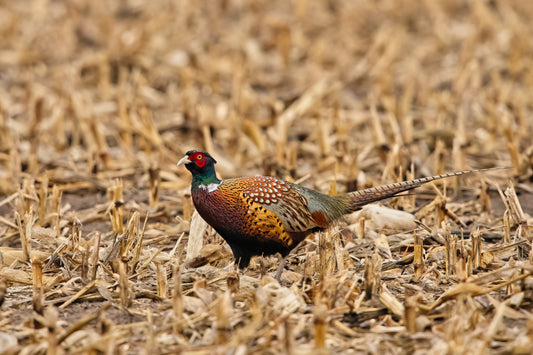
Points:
(262, 215)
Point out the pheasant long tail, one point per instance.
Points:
(362, 197)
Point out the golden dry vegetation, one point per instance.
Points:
(101, 251)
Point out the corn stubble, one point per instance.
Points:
(99, 100)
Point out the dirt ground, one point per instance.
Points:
(100, 248)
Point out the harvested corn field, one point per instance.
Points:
(101, 250)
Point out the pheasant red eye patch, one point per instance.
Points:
(198, 159)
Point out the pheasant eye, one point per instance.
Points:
(199, 157)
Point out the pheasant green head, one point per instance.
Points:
(202, 167)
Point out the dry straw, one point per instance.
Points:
(101, 250)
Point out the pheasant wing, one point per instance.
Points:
(282, 199)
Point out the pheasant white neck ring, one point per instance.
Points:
(210, 187)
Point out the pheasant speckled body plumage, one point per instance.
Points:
(261, 215)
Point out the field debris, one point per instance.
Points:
(101, 250)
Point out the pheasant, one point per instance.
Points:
(263, 215)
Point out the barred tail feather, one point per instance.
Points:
(362, 197)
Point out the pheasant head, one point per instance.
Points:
(202, 167)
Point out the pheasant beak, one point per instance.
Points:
(184, 160)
